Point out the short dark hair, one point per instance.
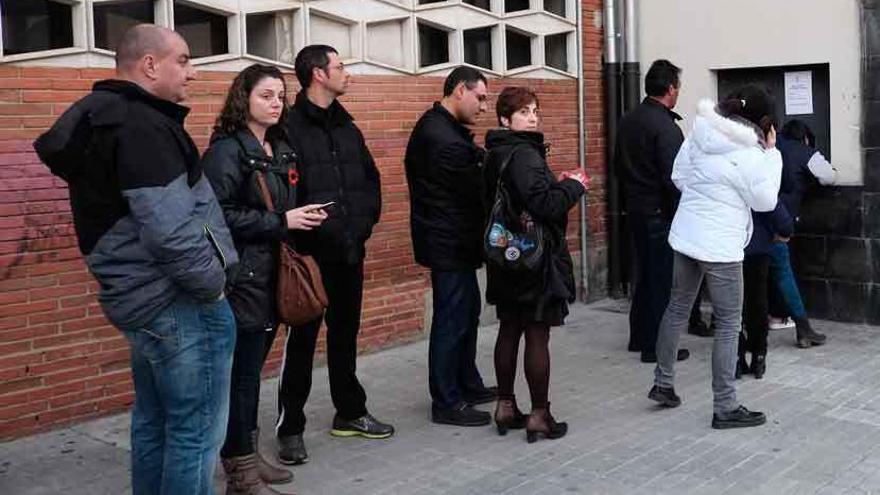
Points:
(468, 75)
(753, 103)
(660, 76)
(512, 99)
(308, 59)
(798, 130)
(236, 110)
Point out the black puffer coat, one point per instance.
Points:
(231, 164)
(334, 165)
(533, 187)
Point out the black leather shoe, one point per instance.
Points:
(292, 450)
(738, 418)
(665, 396)
(464, 415)
(482, 396)
(366, 426)
(651, 357)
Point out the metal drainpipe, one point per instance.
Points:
(631, 71)
(611, 79)
(582, 156)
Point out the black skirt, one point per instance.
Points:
(553, 312)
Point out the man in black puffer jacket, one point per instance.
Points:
(335, 166)
(443, 170)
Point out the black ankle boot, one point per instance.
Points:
(806, 336)
(759, 365)
(541, 424)
(742, 367)
(508, 416)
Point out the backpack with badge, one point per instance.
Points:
(513, 239)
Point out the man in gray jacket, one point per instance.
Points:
(154, 238)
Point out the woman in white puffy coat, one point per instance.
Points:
(727, 167)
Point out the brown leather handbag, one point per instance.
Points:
(300, 294)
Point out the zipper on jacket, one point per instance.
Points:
(216, 245)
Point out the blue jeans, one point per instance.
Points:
(782, 277)
(725, 282)
(181, 364)
(452, 350)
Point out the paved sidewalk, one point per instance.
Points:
(823, 433)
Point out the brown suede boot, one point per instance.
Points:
(243, 477)
(268, 473)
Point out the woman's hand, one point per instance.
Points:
(770, 141)
(578, 175)
(779, 238)
(305, 217)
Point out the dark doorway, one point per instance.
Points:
(773, 78)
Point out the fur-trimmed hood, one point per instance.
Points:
(717, 135)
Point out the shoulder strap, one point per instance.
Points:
(264, 190)
(506, 162)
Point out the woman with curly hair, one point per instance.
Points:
(249, 157)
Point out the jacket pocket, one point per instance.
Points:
(216, 245)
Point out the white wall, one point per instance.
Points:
(705, 35)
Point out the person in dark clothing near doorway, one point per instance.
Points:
(648, 140)
(335, 167)
(802, 167)
(447, 215)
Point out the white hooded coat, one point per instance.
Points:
(723, 173)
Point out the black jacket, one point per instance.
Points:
(796, 176)
(145, 215)
(647, 141)
(334, 165)
(533, 188)
(232, 163)
(445, 191)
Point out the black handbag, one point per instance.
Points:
(513, 239)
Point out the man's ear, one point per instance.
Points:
(318, 75)
(459, 90)
(150, 66)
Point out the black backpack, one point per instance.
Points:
(513, 240)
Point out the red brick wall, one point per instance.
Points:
(60, 360)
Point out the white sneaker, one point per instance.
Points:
(779, 323)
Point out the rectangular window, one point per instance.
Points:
(555, 7)
(36, 25)
(112, 19)
(483, 4)
(205, 32)
(270, 35)
(556, 51)
(478, 47)
(519, 50)
(516, 5)
(433, 46)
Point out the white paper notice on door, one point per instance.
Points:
(799, 93)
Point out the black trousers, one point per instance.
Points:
(345, 286)
(251, 349)
(756, 269)
(653, 279)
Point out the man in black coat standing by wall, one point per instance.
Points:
(335, 166)
(443, 170)
(647, 142)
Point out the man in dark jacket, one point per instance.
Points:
(154, 237)
(335, 166)
(443, 170)
(647, 142)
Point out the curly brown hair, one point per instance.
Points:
(234, 115)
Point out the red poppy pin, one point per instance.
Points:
(292, 176)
